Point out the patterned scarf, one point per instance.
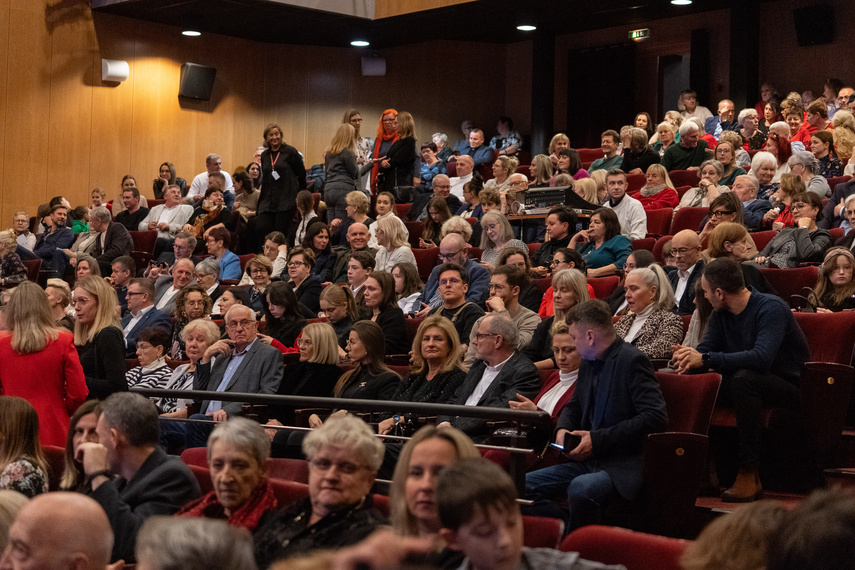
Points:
(247, 516)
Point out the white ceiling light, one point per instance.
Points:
(359, 43)
(681, 2)
(526, 28)
(191, 33)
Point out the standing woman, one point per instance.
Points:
(307, 214)
(397, 167)
(382, 303)
(364, 146)
(166, 177)
(99, 338)
(244, 209)
(57, 386)
(342, 171)
(387, 134)
(282, 176)
(23, 467)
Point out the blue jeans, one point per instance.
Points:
(175, 434)
(587, 487)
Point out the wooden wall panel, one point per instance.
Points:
(5, 7)
(389, 8)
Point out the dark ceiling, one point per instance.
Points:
(491, 21)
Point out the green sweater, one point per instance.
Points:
(678, 157)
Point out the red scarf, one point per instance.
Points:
(381, 136)
(247, 516)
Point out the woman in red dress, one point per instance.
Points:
(40, 364)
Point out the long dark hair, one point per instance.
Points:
(282, 295)
(372, 338)
(312, 231)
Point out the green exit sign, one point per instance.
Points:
(638, 35)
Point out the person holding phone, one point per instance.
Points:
(616, 403)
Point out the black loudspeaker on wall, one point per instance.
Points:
(197, 81)
(814, 25)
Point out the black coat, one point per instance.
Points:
(281, 195)
(402, 158)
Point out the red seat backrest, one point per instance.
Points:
(824, 347)
(589, 154)
(415, 229)
(659, 221)
(643, 243)
(603, 286)
(689, 399)
(426, 260)
(657, 248)
(791, 281)
(203, 476)
(762, 238)
(635, 550)
(402, 209)
(684, 177)
(295, 470)
(451, 168)
(55, 456)
(688, 219)
(542, 532)
(195, 456)
(634, 182)
(543, 283)
(288, 492)
(533, 248)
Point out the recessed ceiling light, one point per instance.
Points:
(681, 2)
(526, 28)
(191, 33)
(359, 43)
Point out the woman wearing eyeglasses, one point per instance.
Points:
(306, 287)
(708, 187)
(803, 242)
(260, 270)
(726, 208)
(99, 337)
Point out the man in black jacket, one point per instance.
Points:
(113, 240)
(686, 249)
(441, 189)
(131, 477)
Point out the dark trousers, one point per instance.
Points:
(749, 392)
(273, 221)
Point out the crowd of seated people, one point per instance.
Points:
(328, 284)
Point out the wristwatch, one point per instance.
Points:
(705, 359)
(102, 472)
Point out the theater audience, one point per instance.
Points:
(56, 385)
(23, 467)
(343, 456)
(835, 289)
(193, 544)
(132, 479)
(99, 338)
(381, 302)
(408, 286)
(802, 242)
(340, 309)
(152, 350)
(659, 191)
(732, 240)
(602, 245)
(238, 457)
(281, 311)
(806, 166)
(651, 325)
(192, 303)
(638, 157)
(435, 374)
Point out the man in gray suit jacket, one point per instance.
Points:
(166, 287)
(496, 377)
(243, 363)
(141, 313)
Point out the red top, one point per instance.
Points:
(562, 401)
(51, 380)
(665, 198)
(547, 309)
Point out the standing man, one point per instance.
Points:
(113, 240)
(630, 212)
(686, 249)
(609, 142)
(133, 214)
(616, 404)
(56, 238)
(131, 477)
(213, 163)
(754, 342)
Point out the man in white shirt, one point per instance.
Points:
(167, 218)
(630, 212)
(141, 312)
(686, 249)
(499, 375)
(465, 166)
(213, 163)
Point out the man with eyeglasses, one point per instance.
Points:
(499, 374)
(453, 249)
(506, 282)
(453, 285)
(240, 363)
(182, 248)
(23, 235)
(753, 209)
(686, 249)
(441, 189)
(166, 287)
(142, 313)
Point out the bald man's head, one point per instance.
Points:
(357, 236)
(59, 530)
(686, 249)
(465, 165)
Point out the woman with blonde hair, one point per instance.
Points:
(384, 207)
(23, 467)
(99, 337)
(59, 298)
(356, 208)
(341, 171)
(496, 235)
(541, 171)
(12, 269)
(599, 176)
(394, 247)
(35, 344)
(587, 189)
(659, 191)
(396, 169)
(412, 495)
(456, 225)
(844, 134)
(503, 167)
(436, 370)
(569, 288)
(558, 143)
(339, 308)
